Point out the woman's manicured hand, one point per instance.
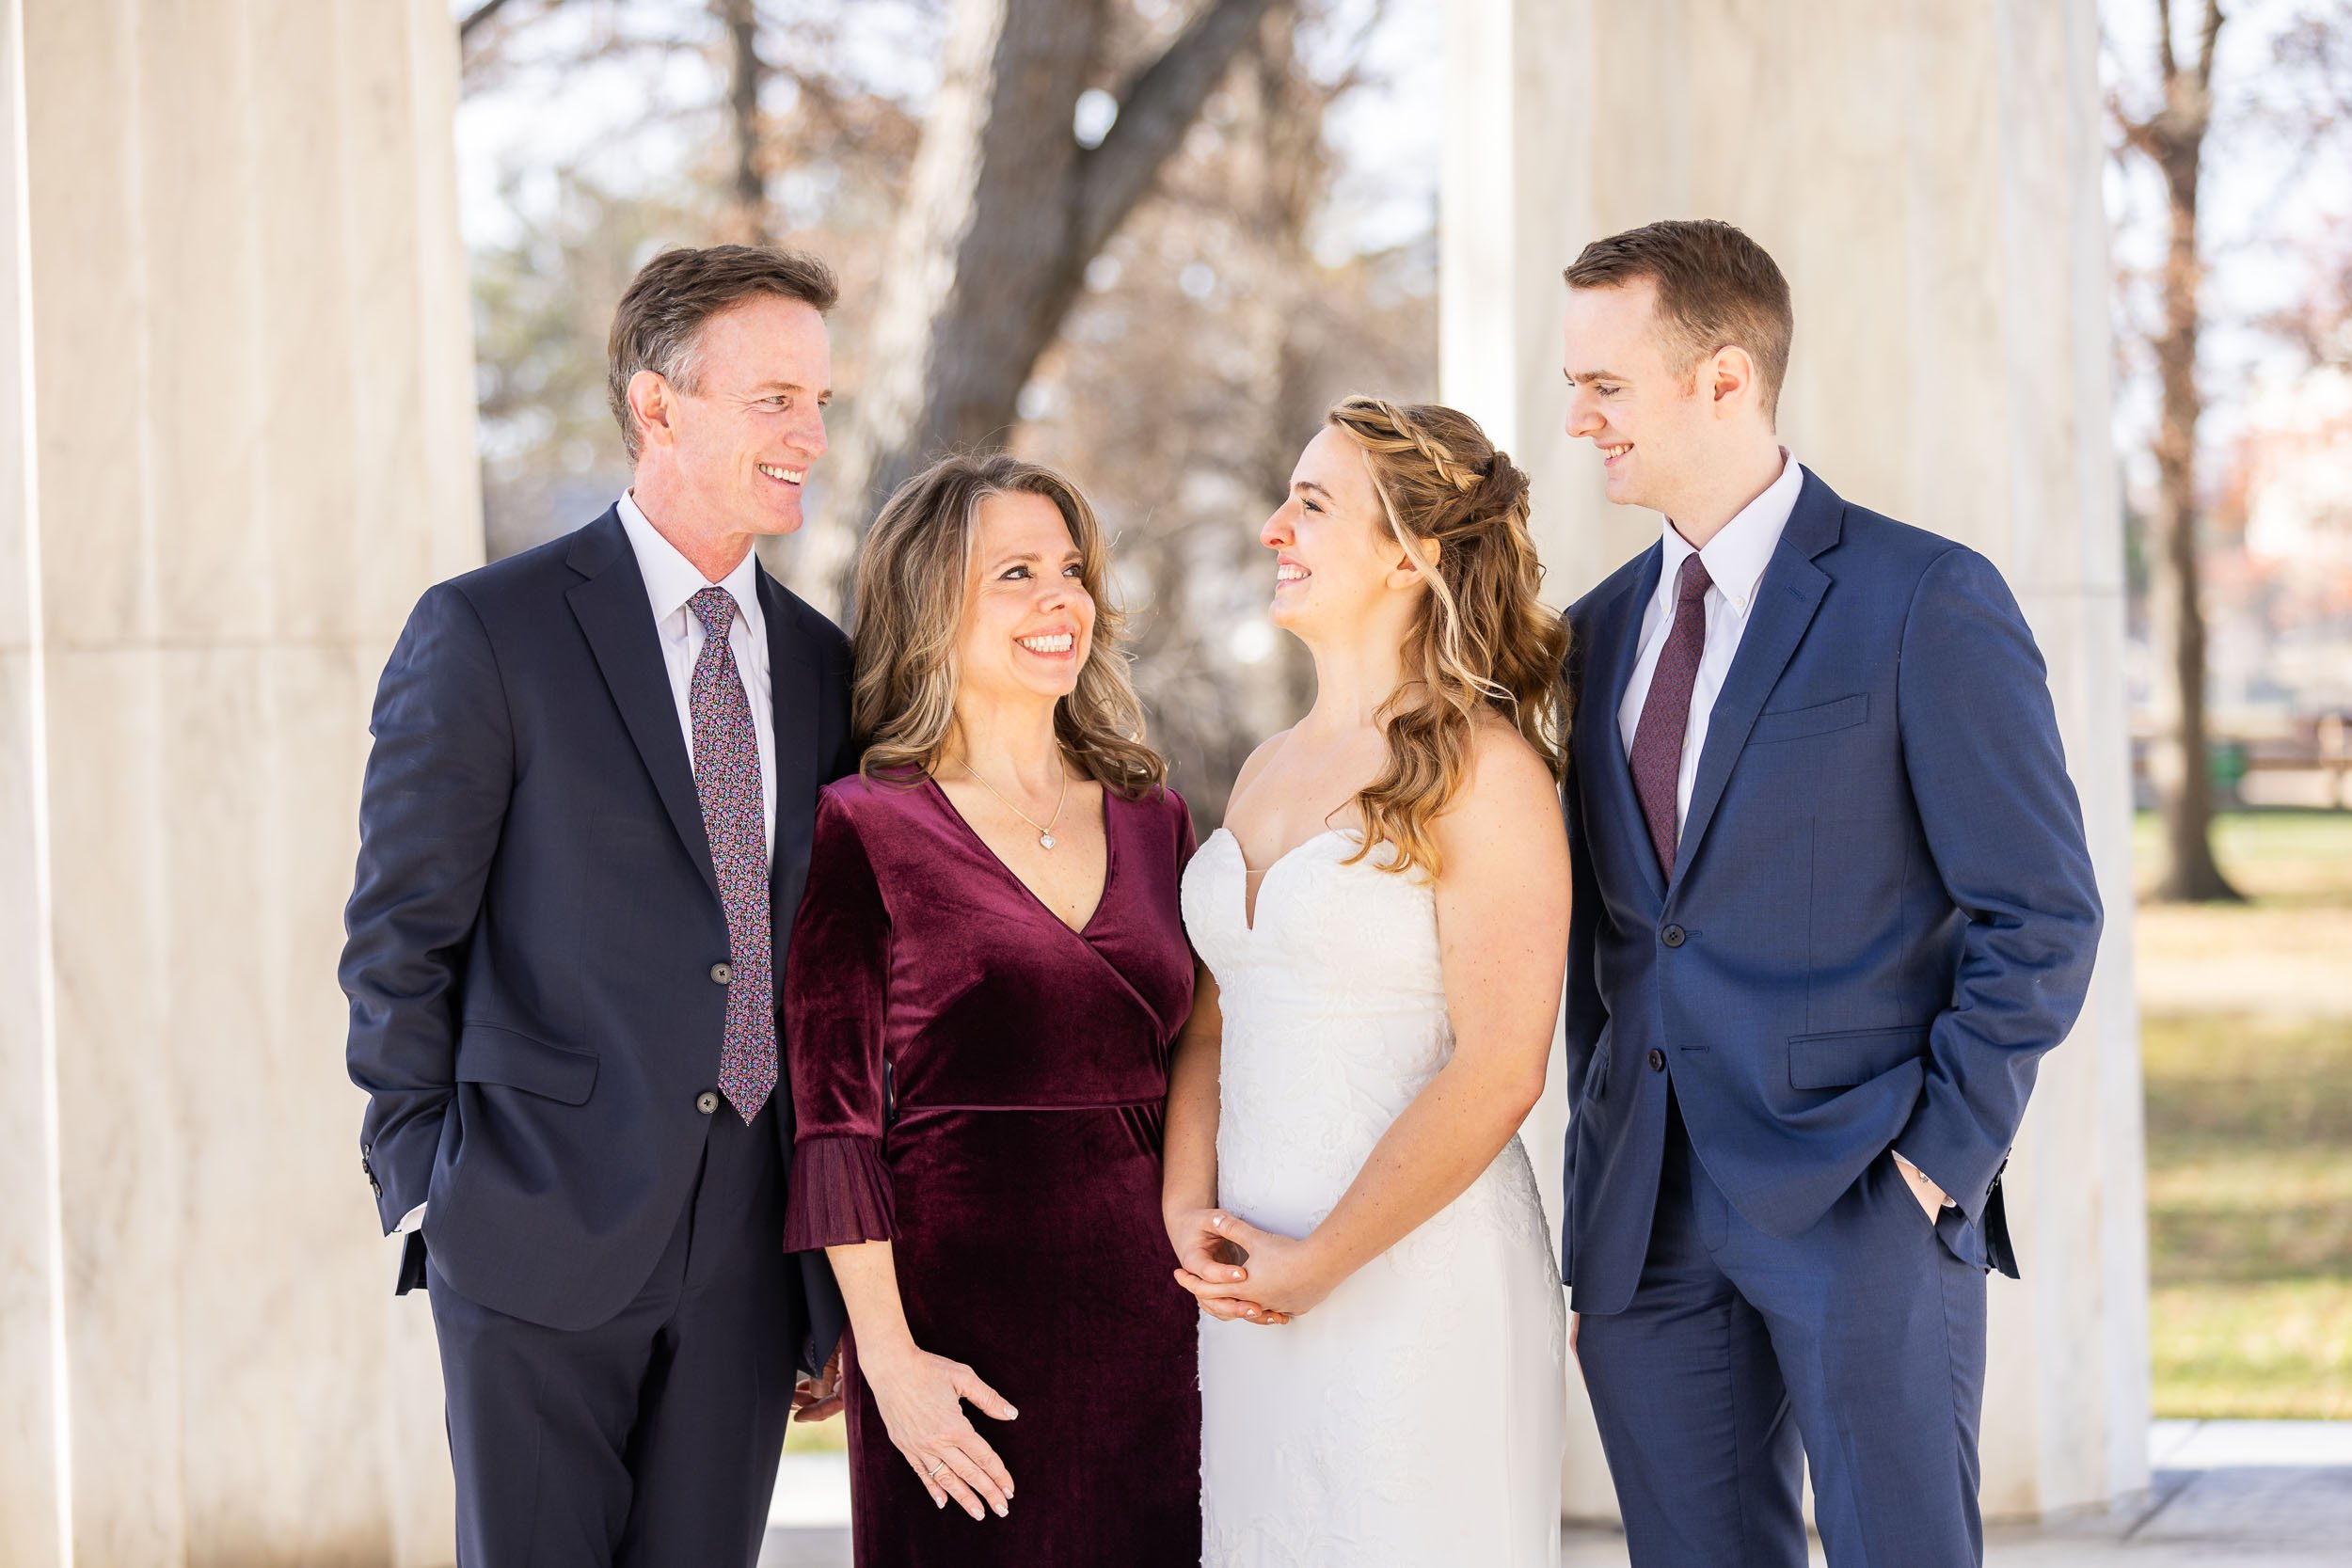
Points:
(921, 1397)
(1205, 1254)
(1285, 1275)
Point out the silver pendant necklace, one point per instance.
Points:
(1044, 831)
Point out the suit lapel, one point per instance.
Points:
(1786, 598)
(1616, 648)
(792, 689)
(617, 620)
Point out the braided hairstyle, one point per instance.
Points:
(1481, 636)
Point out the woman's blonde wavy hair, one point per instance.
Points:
(1481, 639)
(911, 582)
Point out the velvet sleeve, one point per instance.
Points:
(836, 990)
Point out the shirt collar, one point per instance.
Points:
(671, 579)
(1737, 556)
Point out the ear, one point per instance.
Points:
(651, 406)
(1729, 379)
(1406, 571)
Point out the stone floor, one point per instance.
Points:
(2263, 1494)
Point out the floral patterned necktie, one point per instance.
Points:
(727, 777)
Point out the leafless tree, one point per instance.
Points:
(2171, 136)
(748, 218)
(1004, 210)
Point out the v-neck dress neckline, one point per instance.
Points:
(1110, 859)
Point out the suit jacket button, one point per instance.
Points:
(1672, 936)
(707, 1103)
(722, 973)
(1657, 1061)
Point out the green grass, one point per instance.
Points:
(2248, 1050)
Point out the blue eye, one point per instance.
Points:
(1075, 569)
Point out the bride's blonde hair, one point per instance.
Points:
(1481, 641)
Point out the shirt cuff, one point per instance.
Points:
(840, 1194)
(1917, 1175)
(413, 1220)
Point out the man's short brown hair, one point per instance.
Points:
(1716, 289)
(659, 326)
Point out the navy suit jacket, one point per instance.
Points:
(536, 920)
(1882, 911)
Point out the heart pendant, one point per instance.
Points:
(1045, 840)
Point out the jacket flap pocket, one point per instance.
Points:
(1796, 722)
(1852, 1056)
(489, 1055)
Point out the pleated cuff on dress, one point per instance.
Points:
(840, 1195)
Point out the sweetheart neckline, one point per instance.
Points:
(1248, 908)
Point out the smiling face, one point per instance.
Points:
(1336, 564)
(735, 450)
(1656, 427)
(1028, 620)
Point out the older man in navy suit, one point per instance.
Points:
(584, 828)
(1832, 904)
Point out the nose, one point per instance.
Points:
(1275, 534)
(1584, 415)
(810, 437)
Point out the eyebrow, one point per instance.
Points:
(1311, 484)
(1575, 376)
(787, 387)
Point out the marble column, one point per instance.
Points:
(237, 433)
(1928, 175)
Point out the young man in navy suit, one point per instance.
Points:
(583, 832)
(1832, 903)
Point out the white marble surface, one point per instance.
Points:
(241, 431)
(1929, 179)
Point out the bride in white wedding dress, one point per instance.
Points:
(1381, 1345)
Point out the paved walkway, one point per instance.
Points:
(2262, 1494)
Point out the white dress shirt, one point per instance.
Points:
(671, 579)
(1735, 560)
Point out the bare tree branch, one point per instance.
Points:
(1152, 117)
(479, 15)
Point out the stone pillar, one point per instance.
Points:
(1928, 177)
(236, 430)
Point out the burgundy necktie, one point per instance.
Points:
(1657, 757)
(727, 777)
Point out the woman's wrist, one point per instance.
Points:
(885, 1352)
(1323, 1260)
(1175, 1206)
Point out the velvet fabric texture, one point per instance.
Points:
(985, 1088)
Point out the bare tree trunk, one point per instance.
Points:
(747, 218)
(2172, 139)
(1004, 209)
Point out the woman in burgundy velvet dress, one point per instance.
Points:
(984, 981)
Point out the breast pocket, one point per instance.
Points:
(1797, 724)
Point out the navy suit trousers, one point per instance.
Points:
(1857, 1346)
(651, 1439)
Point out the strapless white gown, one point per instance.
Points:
(1414, 1417)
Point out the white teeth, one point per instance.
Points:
(1289, 573)
(1618, 452)
(1061, 643)
(790, 475)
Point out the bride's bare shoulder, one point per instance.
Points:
(1256, 765)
